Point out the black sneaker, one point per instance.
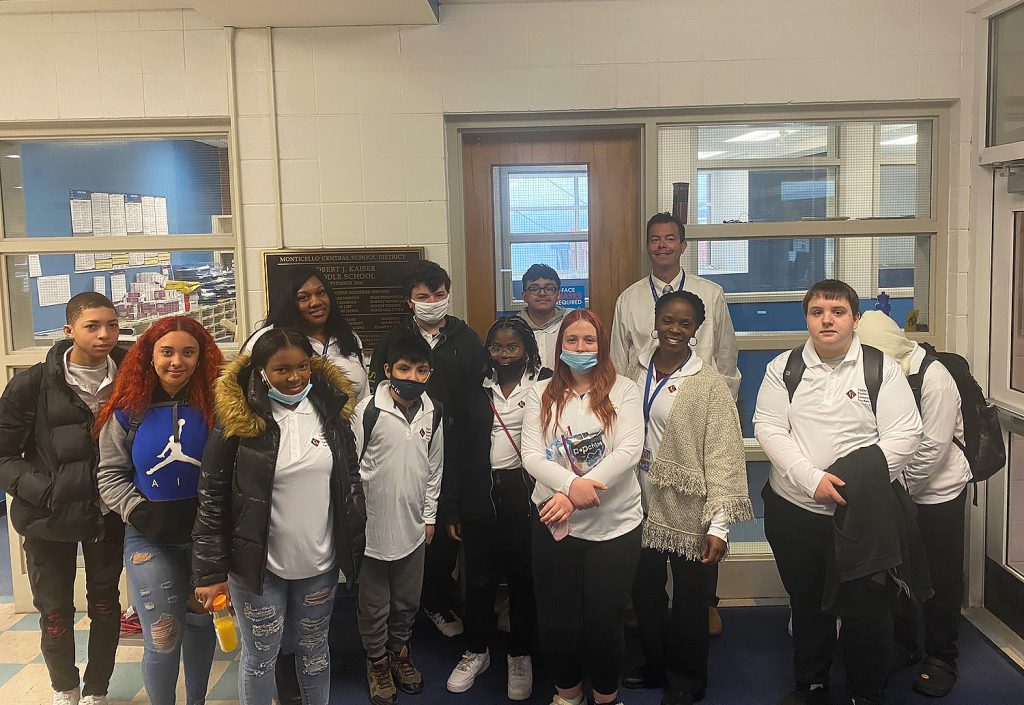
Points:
(935, 678)
(804, 695)
(644, 676)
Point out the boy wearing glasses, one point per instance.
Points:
(541, 291)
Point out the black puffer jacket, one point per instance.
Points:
(48, 455)
(235, 489)
(458, 362)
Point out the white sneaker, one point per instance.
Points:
(446, 622)
(67, 697)
(520, 677)
(468, 668)
(94, 700)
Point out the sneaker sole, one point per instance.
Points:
(410, 689)
(520, 696)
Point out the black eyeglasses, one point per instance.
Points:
(499, 350)
(549, 289)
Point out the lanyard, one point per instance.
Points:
(648, 397)
(504, 428)
(654, 292)
(326, 346)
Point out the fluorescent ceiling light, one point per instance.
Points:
(14, 156)
(756, 136)
(909, 139)
(708, 155)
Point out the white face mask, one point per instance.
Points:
(431, 313)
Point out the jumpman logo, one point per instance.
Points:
(172, 451)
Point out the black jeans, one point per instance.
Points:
(802, 542)
(942, 531)
(713, 585)
(51, 574)
(440, 591)
(676, 645)
(582, 591)
(496, 548)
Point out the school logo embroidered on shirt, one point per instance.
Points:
(672, 389)
(860, 395)
(852, 394)
(316, 442)
(423, 433)
(522, 405)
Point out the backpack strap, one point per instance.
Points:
(135, 420)
(370, 415)
(435, 423)
(916, 380)
(873, 360)
(794, 371)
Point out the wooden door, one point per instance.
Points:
(612, 157)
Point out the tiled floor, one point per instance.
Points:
(23, 678)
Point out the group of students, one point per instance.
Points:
(578, 462)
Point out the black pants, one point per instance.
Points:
(496, 548)
(676, 645)
(713, 585)
(51, 574)
(942, 531)
(802, 542)
(440, 592)
(582, 591)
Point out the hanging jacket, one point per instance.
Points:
(149, 466)
(48, 456)
(235, 492)
(458, 363)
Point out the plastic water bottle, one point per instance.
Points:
(224, 624)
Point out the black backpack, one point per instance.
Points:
(983, 436)
(872, 360)
(372, 413)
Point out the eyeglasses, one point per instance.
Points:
(499, 350)
(549, 289)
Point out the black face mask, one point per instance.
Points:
(514, 369)
(408, 389)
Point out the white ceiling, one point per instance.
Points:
(257, 13)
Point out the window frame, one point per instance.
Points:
(11, 358)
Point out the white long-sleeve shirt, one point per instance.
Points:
(830, 416)
(939, 470)
(661, 406)
(401, 474)
(620, 511)
(634, 323)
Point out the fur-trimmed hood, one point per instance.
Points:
(241, 404)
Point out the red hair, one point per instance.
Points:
(560, 387)
(136, 377)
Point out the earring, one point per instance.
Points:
(654, 335)
(693, 342)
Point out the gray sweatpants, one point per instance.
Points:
(389, 597)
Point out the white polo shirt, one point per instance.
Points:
(634, 323)
(503, 454)
(939, 470)
(830, 417)
(660, 409)
(300, 542)
(351, 365)
(401, 474)
(620, 511)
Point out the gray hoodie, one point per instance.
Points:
(547, 335)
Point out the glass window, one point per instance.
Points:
(752, 364)
(144, 287)
(126, 187)
(765, 279)
(1006, 77)
(1017, 336)
(540, 217)
(1015, 515)
(747, 538)
(777, 172)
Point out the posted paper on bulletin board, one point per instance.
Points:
(53, 291)
(101, 213)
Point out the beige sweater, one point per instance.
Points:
(700, 468)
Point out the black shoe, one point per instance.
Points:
(643, 676)
(803, 695)
(901, 657)
(857, 700)
(935, 678)
(678, 697)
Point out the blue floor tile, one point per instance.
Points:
(227, 687)
(7, 671)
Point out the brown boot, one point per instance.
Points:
(714, 622)
(408, 679)
(381, 682)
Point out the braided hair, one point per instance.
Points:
(518, 326)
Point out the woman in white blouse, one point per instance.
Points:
(582, 437)
(301, 299)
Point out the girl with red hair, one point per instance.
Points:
(152, 433)
(583, 432)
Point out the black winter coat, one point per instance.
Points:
(48, 456)
(458, 363)
(236, 486)
(469, 490)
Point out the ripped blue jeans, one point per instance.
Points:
(161, 588)
(292, 616)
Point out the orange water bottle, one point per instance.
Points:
(224, 624)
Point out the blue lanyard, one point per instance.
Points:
(654, 292)
(648, 397)
(326, 345)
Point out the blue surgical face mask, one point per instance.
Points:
(408, 389)
(277, 395)
(579, 361)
